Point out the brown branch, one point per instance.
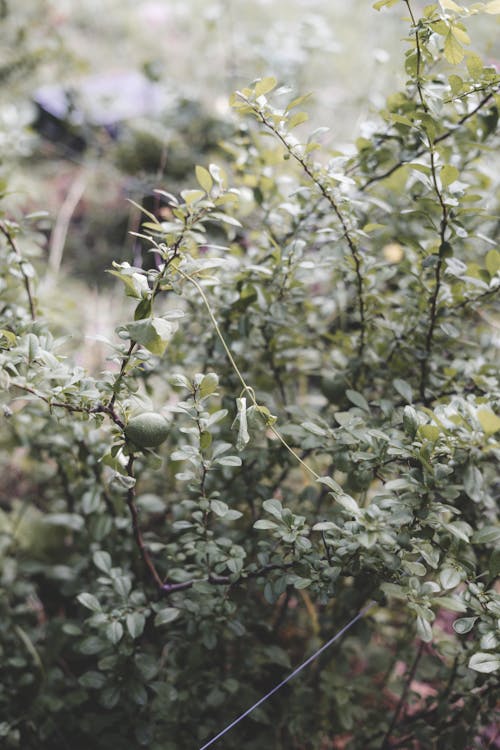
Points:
(419, 58)
(327, 195)
(75, 408)
(135, 525)
(434, 311)
(31, 300)
(170, 588)
(478, 298)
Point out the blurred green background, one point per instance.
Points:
(144, 86)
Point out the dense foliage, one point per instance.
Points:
(318, 331)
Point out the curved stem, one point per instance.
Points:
(247, 388)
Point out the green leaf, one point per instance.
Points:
(449, 578)
(429, 432)
(404, 389)
(453, 50)
(384, 4)
(484, 662)
(122, 585)
(265, 85)
(297, 119)
(192, 196)
(488, 421)
(464, 624)
(263, 524)
(487, 535)
(451, 5)
(152, 333)
(410, 421)
(300, 583)
(332, 484)
(348, 503)
(414, 567)
(135, 624)
(114, 631)
(89, 601)
(208, 385)
(228, 461)
(424, 629)
(93, 680)
(297, 102)
(204, 178)
(148, 665)
(493, 262)
(449, 174)
(274, 507)
(219, 508)
(325, 526)
(474, 65)
(357, 399)
(314, 428)
(110, 696)
(166, 615)
(102, 560)
(452, 603)
(69, 520)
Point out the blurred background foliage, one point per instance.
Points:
(140, 95)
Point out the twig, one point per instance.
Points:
(419, 58)
(170, 588)
(328, 196)
(135, 524)
(75, 408)
(433, 315)
(478, 298)
(31, 300)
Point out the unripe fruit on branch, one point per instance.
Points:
(147, 430)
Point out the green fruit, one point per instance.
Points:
(147, 430)
(333, 387)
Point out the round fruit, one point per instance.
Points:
(147, 430)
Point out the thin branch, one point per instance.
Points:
(328, 196)
(135, 524)
(121, 374)
(478, 298)
(170, 588)
(433, 301)
(27, 285)
(75, 408)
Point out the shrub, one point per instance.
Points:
(328, 379)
